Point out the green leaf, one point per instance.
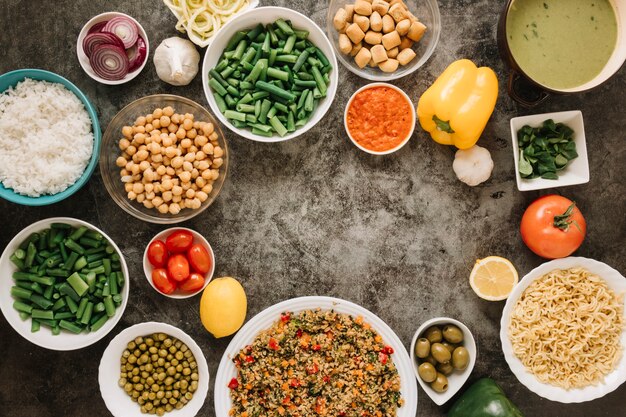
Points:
(560, 160)
(525, 168)
(550, 176)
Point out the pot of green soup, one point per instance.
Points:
(561, 46)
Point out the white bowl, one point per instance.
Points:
(611, 382)
(84, 61)
(197, 238)
(267, 317)
(116, 399)
(411, 113)
(44, 338)
(457, 378)
(248, 20)
(576, 172)
(427, 11)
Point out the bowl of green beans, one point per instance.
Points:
(65, 283)
(270, 75)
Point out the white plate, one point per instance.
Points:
(267, 317)
(457, 378)
(616, 282)
(249, 20)
(44, 337)
(116, 399)
(576, 172)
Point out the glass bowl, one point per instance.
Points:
(427, 11)
(109, 152)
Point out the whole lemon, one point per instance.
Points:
(223, 306)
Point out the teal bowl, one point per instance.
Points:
(10, 79)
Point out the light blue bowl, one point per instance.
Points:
(10, 79)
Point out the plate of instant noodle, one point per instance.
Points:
(312, 356)
(562, 330)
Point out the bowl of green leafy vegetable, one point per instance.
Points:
(549, 150)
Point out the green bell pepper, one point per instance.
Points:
(484, 399)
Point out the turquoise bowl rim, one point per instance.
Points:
(10, 79)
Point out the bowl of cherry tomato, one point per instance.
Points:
(179, 262)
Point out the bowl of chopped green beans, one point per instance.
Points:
(270, 75)
(66, 283)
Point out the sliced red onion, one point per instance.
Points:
(136, 54)
(97, 27)
(109, 62)
(124, 28)
(100, 38)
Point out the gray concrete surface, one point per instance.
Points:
(316, 216)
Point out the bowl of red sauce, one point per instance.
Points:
(379, 118)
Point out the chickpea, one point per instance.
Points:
(207, 175)
(181, 133)
(158, 112)
(190, 193)
(167, 196)
(148, 203)
(185, 143)
(143, 165)
(164, 121)
(187, 123)
(208, 149)
(131, 195)
(185, 176)
(168, 111)
(191, 134)
(200, 156)
(139, 138)
(128, 187)
(207, 189)
(142, 155)
(172, 128)
(150, 128)
(208, 129)
(123, 144)
(161, 170)
(187, 166)
(150, 195)
(140, 121)
(131, 150)
(177, 199)
(135, 169)
(127, 131)
(138, 188)
(200, 140)
(218, 152)
(177, 162)
(163, 208)
(217, 162)
(157, 201)
(157, 158)
(149, 187)
(177, 190)
(190, 156)
(139, 129)
(170, 171)
(174, 208)
(156, 148)
(167, 184)
(156, 123)
(120, 161)
(170, 152)
(141, 197)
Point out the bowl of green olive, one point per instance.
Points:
(153, 368)
(443, 352)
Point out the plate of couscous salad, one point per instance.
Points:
(313, 356)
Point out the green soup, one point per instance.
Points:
(561, 44)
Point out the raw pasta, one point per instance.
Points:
(566, 328)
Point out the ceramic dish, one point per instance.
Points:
(10, 79)
(110, 172)
(426, 11)
(411, 115)
(84, 61)
(457, 378)
(117, 401)
(248, 20)
(576, 172)
(197, 238)
(267, 317)
(613, 380)
(44, 338)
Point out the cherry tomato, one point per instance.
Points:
(178, 267)
(199, 258)
(553, 227)
(157, 254)
(193, 283)
(179, 241)
(162, 281)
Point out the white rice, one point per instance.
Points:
(45, 138)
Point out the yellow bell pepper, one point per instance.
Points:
(456, 108)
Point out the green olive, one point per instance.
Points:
(445, 368)
(440, 353)
(422, 347)
(449, 346)
(460, 358)
(440, 384)
(430, 360)
(427, 372)
(452, 334)
(433, 334)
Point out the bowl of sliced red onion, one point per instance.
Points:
(112, 48)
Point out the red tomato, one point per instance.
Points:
(178, 267)
(157, 254)
(179, 241)
(162, 281)
(553, 227)
(193, 283)
(233, 384)
(199, 258)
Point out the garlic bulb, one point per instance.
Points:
(473, 166)
(176, 61)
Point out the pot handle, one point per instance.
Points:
(525, 93)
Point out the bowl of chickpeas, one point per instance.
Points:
(163, 159)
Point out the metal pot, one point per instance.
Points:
(528, 92)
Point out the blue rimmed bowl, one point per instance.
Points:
(10, 79)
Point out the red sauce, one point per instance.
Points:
(380, 118)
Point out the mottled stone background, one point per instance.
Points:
(316, 216)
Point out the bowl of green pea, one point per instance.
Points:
(270, 75)
(65, 283)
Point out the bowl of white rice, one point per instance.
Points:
(49, 137)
